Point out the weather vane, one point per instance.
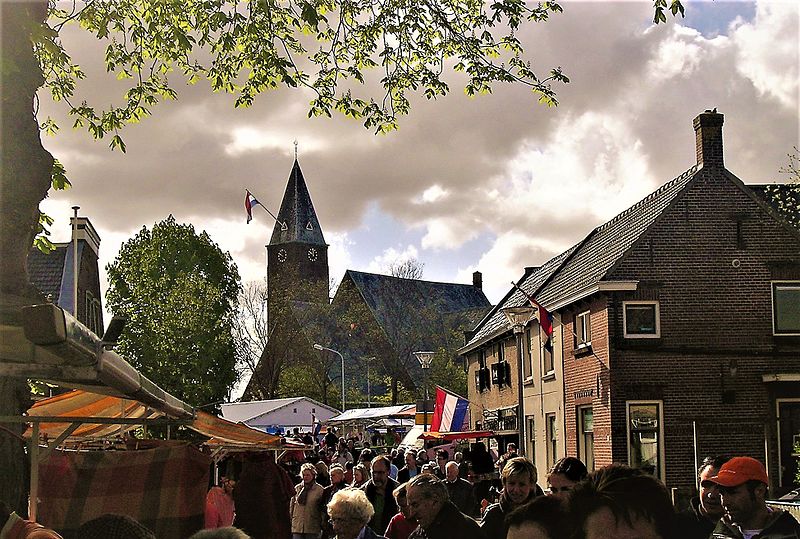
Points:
(295, 149)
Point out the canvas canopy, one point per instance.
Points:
(69, 417)
(360, 415)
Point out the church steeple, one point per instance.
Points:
(297, 255)
(297, 220)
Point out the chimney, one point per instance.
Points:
(477, 280)
(85, 231)
(708, 138)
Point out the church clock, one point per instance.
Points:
(282, 255)
(313, 254)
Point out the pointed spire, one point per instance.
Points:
(297, 212)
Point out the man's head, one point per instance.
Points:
(710, 503)
(442, 457)
(620, 502)
(227, 485)
(380, 471)
(337, 474)
(411, 460)
(426, 497)
(451, 471)
(742, 484)
(511, 448)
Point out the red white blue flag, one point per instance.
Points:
(449, 412)
(249, 202)
(545, 319)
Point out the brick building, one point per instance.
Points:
(677, 333)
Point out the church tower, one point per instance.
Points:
(297, 255)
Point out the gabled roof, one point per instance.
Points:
(609, 242)
(297, 214)
(45, 270)
(242, 412)
(584, 265)
(388, 298)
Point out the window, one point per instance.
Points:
(645, 427)
(586, 436)
(482, 376)
(583, 330)
(530, 432)
(786, 308)
(501, 352)
(550, 439)
(548, 367)
(641, 319)
(527, 356)
(93, 314)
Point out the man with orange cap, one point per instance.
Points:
(742, 484)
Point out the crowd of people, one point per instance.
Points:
(351, 491)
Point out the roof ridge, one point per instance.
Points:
(648, 198)
(409, 279)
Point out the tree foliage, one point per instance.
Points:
(786, 196)
(179, 292)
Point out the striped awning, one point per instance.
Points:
(115, 415)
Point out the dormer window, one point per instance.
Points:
(309, 226)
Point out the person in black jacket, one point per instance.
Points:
(705, 510)
(379, 492)
(519, 487)
(438, 518)
(460, 490)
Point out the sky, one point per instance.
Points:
(491, 184)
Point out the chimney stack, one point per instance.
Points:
(708, 138)
(477, 280)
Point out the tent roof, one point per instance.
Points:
(84, 405)
(362, 414)
(457, 435)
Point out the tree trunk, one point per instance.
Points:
(27, 168)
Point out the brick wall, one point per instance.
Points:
(708, 261)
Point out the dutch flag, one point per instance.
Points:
(449, 412)
(249, 202)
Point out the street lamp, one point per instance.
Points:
(518, 317)
(425, 359)
(321, 348)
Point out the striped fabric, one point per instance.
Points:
(164, 488)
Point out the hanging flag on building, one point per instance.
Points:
(449, 412)
(249, 202)
(545, 319)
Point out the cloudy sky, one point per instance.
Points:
(494, 183)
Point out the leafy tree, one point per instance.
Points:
(328, 46)
(178, 291)
(785, 197)
(251, 332)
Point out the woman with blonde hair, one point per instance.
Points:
(519, 487)
(350, 511)
(305, 507)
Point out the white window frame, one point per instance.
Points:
(778, 403)
(551, 438)
(584, 329)
(581, 431)
(627, 335)
(773, 286)
(527, 356)
(662, 456)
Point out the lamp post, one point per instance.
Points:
(321, 348)
(518, 317)
(425, 359)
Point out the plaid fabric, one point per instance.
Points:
(164, 489)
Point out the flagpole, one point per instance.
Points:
(282, 223)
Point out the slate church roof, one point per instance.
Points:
(297, 214)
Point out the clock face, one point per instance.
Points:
(312, 254)
(282, 255)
